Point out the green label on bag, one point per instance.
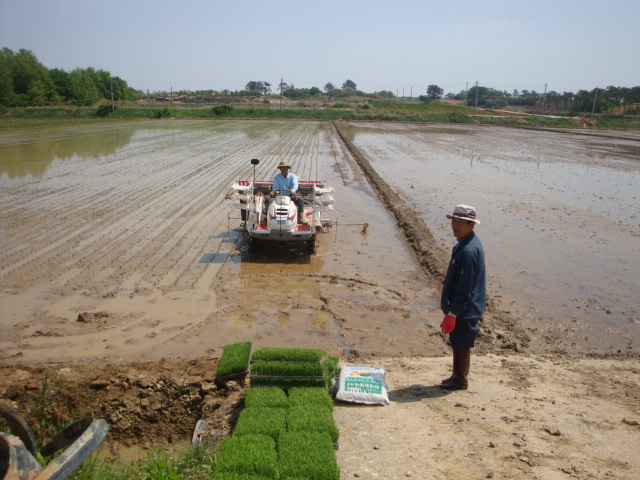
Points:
(362, 384)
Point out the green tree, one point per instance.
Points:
(329, 88)
(258, 88)
(62, 82)
(349, 84)
(31, 81)
(83, 88)
(7, 92)
(434, 92)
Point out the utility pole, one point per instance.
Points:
(113, 107)
(411, 91)
(281, 93)
(171, 96)
(476, 108)
(544, 98)
(595, 97)
(466, 92)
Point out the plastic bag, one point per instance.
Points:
(359, 384)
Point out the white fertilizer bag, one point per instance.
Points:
(362, 385)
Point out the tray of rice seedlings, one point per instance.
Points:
(292, 367)
(307, 355)
(234, 362)
(268, 397)
(313, 419)
(331, 371)
(287, 374)
(309, 397)
(248, 455)
(307, 455)
(261, 421)
(288, 382)
(287, 369)
(238, 476)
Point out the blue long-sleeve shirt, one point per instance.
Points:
(464, 288)
(280, 182)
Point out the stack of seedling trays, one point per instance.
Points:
(285, 432)
(292, 367)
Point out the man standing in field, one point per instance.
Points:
(285, 180)
(463, 299)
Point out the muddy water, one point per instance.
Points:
(559, 212)
(119, 243)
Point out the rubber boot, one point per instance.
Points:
(461, 364)
(453, 372)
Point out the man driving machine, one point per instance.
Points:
(285, 180)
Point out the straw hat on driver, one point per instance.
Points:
(464, 212)
(284, 163)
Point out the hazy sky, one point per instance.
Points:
(401, 46)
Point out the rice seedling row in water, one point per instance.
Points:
(235, 359)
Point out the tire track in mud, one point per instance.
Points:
(498, 327)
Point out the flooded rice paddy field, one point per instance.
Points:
(559, 211)
(118, 241)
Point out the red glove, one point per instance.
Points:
(448, 323)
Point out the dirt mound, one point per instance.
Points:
(145, 404)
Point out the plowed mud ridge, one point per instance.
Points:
(123, 274)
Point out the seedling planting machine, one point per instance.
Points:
(270, 217)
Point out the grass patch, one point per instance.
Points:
(249, 455)
(261, 421)
(289, 354)
(235, 359)
(312, 419)
(307, 455)
(268, 397)
(309, 397)
(237, 476)
(190, 462)
(402, 110)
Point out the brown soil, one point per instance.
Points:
(526, 414)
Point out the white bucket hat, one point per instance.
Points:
(464, 212)
(284, 163)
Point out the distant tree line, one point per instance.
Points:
(24, 81)
(611, 100)
(349, 89)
